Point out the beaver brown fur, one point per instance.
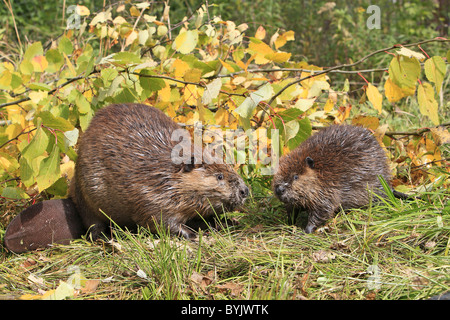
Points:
(124, 168)
(336, 167)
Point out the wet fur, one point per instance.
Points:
(346, 163)
(124, 168)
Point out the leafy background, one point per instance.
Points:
(294, 66)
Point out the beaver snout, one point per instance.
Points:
(280, 189)
(243, 192)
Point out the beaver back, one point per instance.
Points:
(124, 168)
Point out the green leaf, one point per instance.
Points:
(85, 119)
(291, 129)
(245, 110)
(125, 95)
(26, 67)
(39, 86)
(82, 104)
(404, 71)
(71, 137)
(186, 41)
(49, 170)
(14, 193)
(58, 123)
(304, 131)
(151, 84)
(435, 69)
(26, 173)
(33, 50)
(37, 145)
(55, 60)
(59, 188)
(124, 58)
(108, 75)
(65, 45)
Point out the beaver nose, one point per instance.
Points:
(243, 191)
(279, 189)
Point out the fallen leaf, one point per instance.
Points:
(441, 136)
(90, 286)
(203, 281)
(235, 288)
(323, 256)
(36, 280)
(28, 263)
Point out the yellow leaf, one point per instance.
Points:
(260, 33)
(37, 96)
(283, 38)
(164, 93)
(186, 41)
(5, 80)
(119, 20)
(279, 57)
(179, 68)
(134, 12)
(428, 105)
(191, 94)
(328, 105)
(158, 23)
(31, 296)
(226, 65)
(68, 169)
(193, 75)
(393, 92)
(410, 53)
(261, 50)
(440, 135)
(39, 63)
(82, 10)
(221, 117)
(374, 97)
(304, 104)
(241, 65)
(366, 121)
(131, 38)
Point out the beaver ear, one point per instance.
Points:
(309, 162)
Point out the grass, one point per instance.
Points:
(396, 250)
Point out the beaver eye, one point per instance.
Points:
(295, 177)
(220, 176)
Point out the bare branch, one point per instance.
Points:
(261, 120)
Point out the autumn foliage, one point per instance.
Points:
(204, 69)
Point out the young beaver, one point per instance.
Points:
(334, 167)
(124, 168)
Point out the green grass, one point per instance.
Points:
(396, 250)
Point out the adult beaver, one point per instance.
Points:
(125, 170)
(337, 167)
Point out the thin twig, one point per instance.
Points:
(261, 120)
(413, 133)
(51, 91)
(16, 137)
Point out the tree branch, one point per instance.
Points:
(50, 92)
(391, 134)
(261, 120)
